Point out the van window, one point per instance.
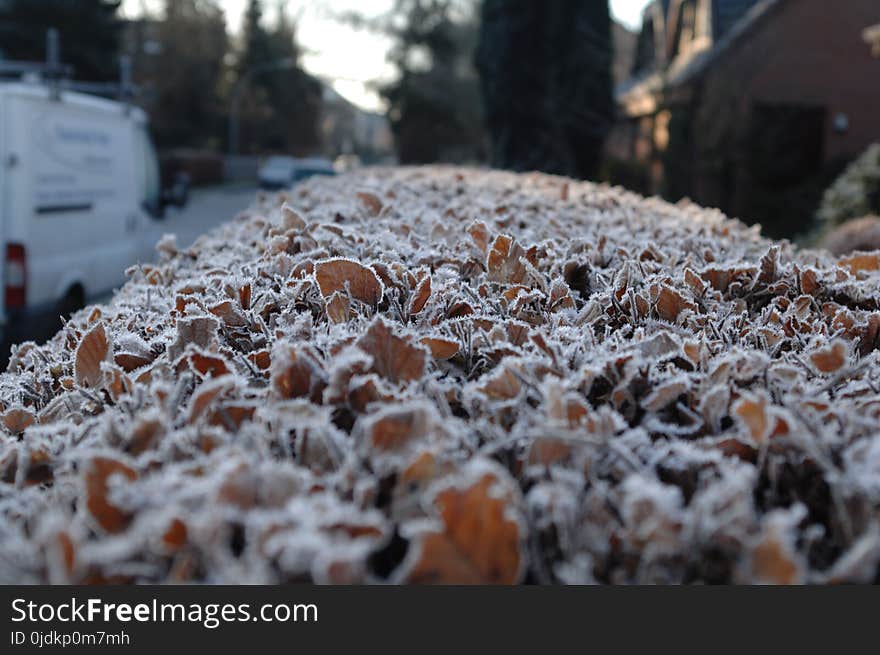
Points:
(149, 184)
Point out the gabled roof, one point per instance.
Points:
(726, 13)
(730, 19)
(700, 62)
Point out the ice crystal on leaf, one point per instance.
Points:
(448, 375)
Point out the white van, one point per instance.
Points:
(79, 192)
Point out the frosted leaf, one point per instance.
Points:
(334, 388)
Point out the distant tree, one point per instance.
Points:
(257, 42)
(434, 103)
(546, 79)
(187, 106)
(282, 104)
(89, 31)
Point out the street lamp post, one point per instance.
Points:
(237, 90)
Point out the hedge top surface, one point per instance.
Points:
(452, 375)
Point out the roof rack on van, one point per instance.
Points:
(58, 75)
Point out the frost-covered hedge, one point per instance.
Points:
(855, 193)
(445, 375)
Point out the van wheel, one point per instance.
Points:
(72, 302)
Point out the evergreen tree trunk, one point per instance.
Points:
(547, 87)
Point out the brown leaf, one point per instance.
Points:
(200, 331)
(17, 420)
(478, 542)
(337, 307)
(128, 362)
(480, 234)
(752, 412)
(861, 261)
(290, 220)
(296, 373)
(830, 359)
(206, 365)
(205, 395)
(92, 350)
(503, 261)
(228, 313)
(98, 473)
(175, 536)
(502, 384)
(420, 297)
(773, 559)
(338, 274)
(441, 348)
(395, 358)
(397, 428)
(371, 202)
(669, 303)
(244, 296)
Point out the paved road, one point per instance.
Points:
(206, 209)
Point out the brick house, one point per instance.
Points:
(752, 106)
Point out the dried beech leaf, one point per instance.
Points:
(504, 261)
(93, 349)
(338, 307)
(830, 359)
(441, 348)
(395, 358)
(420, 297)
(99, 472)
(861, 262)
(370, 202)
(337, 275)
(17, 421)
(479, 542)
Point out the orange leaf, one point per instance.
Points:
(371, 202)
(861, 262)
(441, 348)
(18, 420)
(830, 359)
(92, 350)
(97, 475)
(175, 536)
(395, 358)
(337, 306)
(753, 414)
(503, 261)
(420, 297)
(131, 361)
(336, 274)
(478, 543)
(296, 373)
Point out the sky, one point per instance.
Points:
(349, 59)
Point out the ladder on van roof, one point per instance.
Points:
(58, 76)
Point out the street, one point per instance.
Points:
(206, 209)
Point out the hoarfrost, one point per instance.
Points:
(451, 375)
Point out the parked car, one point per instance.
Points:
(80, 194)
(280, 172)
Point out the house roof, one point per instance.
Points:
(694, 67)
(731, 20)
(727, 13)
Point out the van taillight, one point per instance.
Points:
(15, 276)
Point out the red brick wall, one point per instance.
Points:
(804, 52)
